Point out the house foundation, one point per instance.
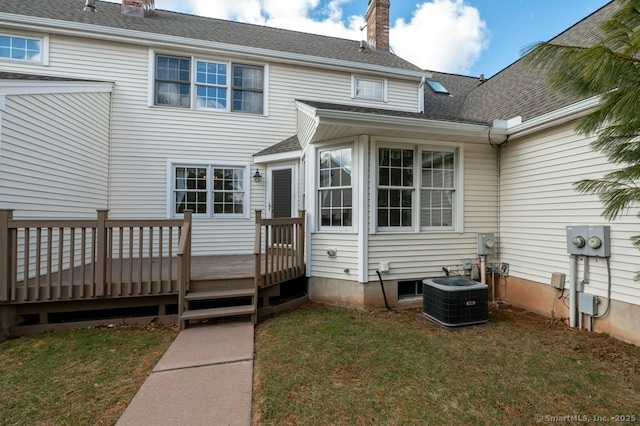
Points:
(621, 321)
(358, 295)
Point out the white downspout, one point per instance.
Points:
(573, 290)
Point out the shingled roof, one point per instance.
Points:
(448, 106)
(519, 90)
(206, 29)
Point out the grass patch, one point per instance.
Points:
(78, 377)
(325, 365)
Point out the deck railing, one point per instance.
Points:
(47, 260)
(184, 261)
(279, 249)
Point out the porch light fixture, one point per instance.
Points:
(257, 177)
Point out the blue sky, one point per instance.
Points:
(469, 37)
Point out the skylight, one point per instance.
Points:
(437, 87)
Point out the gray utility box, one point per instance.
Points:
(588, 304)
(588, 240)
(486, 244)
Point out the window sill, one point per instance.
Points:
(410, 299)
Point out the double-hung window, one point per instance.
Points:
(248, 88)
(26, 49)
(335, 190)
(211, 85)
(417, 189)
(210, 190)
(396, 187)
(173, 81)
(438, 189)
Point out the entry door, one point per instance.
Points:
(281, 199)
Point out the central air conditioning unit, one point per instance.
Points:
(454, 301)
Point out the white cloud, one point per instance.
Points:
(441, 35)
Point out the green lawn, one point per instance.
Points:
(331, 366)
(321, 365)
(82, 377)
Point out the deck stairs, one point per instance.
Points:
(219, 299)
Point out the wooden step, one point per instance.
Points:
(200, 314)
(220, 294)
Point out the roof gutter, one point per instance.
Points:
(69, 28)
(374, 121)
(554, 118)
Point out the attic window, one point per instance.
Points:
(437, 87)
(21, 48)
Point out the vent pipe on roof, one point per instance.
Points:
(138, 8)
(378, 24)
(90, 6)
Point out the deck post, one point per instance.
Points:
(301, 241)
(101, 252)
(257, 249)
(6, 252)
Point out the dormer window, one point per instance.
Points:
(437, 87)
(369, 88)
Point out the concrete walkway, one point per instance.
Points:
(204, 378)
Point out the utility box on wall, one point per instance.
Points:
(599, 241)
(588, 240)
(486, 244)
(577, 240)
(588, 304)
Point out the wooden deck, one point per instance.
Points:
(137, 277)
(67, 265)
(222, 267)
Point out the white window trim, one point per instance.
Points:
(44, 38)
(193, 85)
(354, 192)
(414, 196)
(171, 179)
(384, 81)
(456, 185)
(458, 214)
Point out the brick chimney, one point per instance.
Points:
(138, 8)
(378, 24)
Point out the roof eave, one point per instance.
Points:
(554, 118)
(32, 23)
(376, 123)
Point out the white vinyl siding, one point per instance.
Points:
(49, 165)
(417, 255)
(346, 247)
(143, 139)
(538, 201)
